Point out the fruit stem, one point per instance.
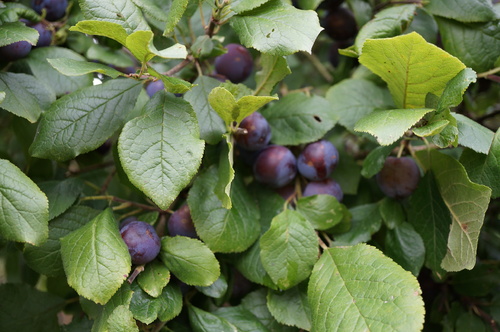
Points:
(134, 274)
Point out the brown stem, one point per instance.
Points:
(107, 182)
(177, 68)
(90, 168)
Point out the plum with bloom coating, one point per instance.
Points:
(399, 177)
(326, 187)
(317, 161)
(142, 241)
(55, 8)
(181, 223)
(275, 166)
(236, 64)
(258, 132)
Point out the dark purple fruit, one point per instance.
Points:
(180, 223)
(317, 161)
(15, 51)
(325, 187)
(127, 221)
(257, 132)
(340, 24)
(45, 33)
(236, 64)
(56, 9)
(275, 166)
(399, 177)
(154, 87)
(142, 241)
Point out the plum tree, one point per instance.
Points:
(399, 177)
(55, 9)
(317, 161)
(326, 187)
(257, 132)
(275, 166)
(180, 223)
(142, 241)
(236, 64)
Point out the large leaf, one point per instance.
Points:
(36, 63)
(221, 229)
(146, 308)
(175, 13)
(84, 120)
(274, 69)
(204, 321)
(484, 169)
(369, 97)
(297, 119)
(406, 247)
(467, 203)
(140, 43)
(122, 12)
(154, 278)
(39, 309)
(70, 67)
(289, 249)
(161, 151)
(473, 135)
(250, 266)
(24, 207)
(46, 258)
(25, 96)
(453, 93)
(110, 30)
(411, 67)
(240, 317)
(61, 194)
(95, 258)
(102, 313)
(389, 125)
(190, 260)
(386, 23)
(465, 41)
(322, 211)
(359, 289)
(277, 28)
(463, 10)
(211, 124)
(12, 32)
(366, 220)
(291, 307)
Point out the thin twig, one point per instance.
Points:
(322, 70)
(177, 68)
(489, 72)
(120, 200)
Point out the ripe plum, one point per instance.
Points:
(275, 166)
(258, 132)
(399, 177)
(317, 161)
(328, 187)
(236, 64)
(142, 241)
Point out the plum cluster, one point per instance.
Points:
(277, 166)
(54, 10)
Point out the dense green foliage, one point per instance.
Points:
(130, 114)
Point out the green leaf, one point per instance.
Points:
(70, 67)
(172, 84)
(359, 289)
(177, 9)
(463, 10)
(226, 174)
(24, 95)
(389, 125)
(95, 258)
(190, 260)
(122, 12)
(241, 6)
(103, 54)
(277, 28)
(140, 43)
(144, 307)
(160, 151)
(39, 309)
(231, 109)
(203, 321)
(375, 160)
(465, 41)
(448, 135)
(221, 229)
(111, 30)
(297, 119)
(411, 67)
(274, 70)
(25, 208)
(406, 247)
(349, 110)
(366, 220)
(466, 201)
(36, 63)
(121, 297)
(322, 211)
(46, 258)
(291, 307)
(171, 298)
(212, 127)
(484, 169)
(424, 24)
(216, 290)
(63, 132)
(240, 317)
(389, 22)
(430, 217)
(61, 194)
(392, 212)
(12, 32)
(250, 266)
(122, 320)
(289, 249)
(453, 93)
(154, 278)
(473, 135)
(434, 127)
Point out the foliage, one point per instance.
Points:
(83, 147)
